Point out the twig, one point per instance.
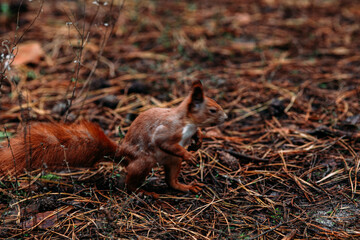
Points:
(266, 232)
(242, 155)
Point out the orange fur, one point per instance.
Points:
(157, 136)
(56, 146)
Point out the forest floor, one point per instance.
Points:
(285, 165)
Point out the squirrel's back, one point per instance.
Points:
(55, 146)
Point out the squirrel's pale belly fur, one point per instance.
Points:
(156, 136)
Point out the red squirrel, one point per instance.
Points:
(156, 136)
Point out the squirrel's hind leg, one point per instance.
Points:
(136, 173)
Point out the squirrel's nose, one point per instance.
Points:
(225, 116)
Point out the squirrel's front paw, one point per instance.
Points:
(193, 187)
(188, 156)
(196, 187)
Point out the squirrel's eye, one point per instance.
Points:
(212, 110)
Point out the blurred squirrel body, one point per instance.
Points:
(156, 136)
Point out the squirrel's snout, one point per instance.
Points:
(225, 116)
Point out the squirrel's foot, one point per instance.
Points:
(194, 187)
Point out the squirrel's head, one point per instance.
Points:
(202, 110)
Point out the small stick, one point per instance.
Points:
(242, 155)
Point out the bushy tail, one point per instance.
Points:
(56, 146)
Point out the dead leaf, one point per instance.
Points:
(47, 219)
(229, 160)
(30, 52)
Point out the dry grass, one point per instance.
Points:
(284, 166)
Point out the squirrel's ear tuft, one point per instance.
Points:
(197, 93)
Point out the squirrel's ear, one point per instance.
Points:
(197, 93)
